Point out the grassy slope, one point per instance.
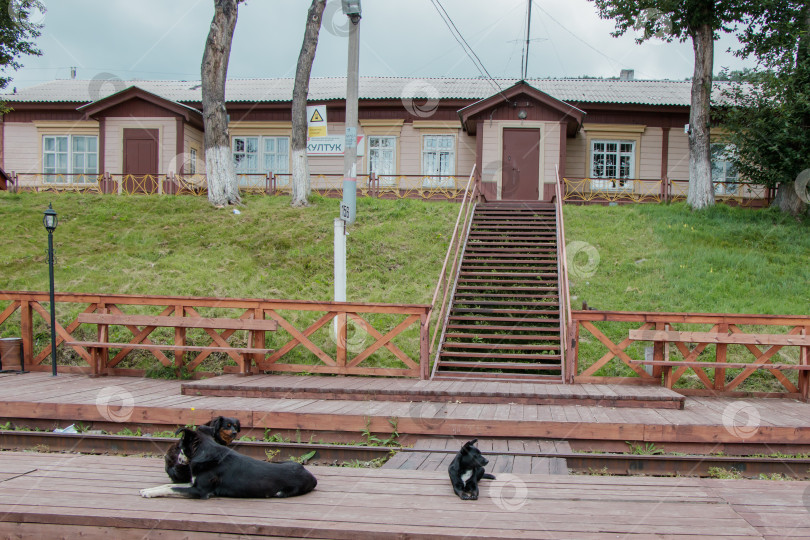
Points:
(181, 246)
(667, 258)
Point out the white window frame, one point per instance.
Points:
(88, 172)
(387, 155)
(723, 182)
(443, 158)
(261, 156)
(192, 162)
(616, 182)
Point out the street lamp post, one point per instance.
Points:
(50, 221)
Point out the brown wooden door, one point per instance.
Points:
(520, 178)
(141, 160)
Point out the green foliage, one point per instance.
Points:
(159, 371)
(274, 437)
(725, 474)
(17, 33)
(671, 19)
(768, 120)
(126, 432)
(375, 463)
(372, 440)
(303, 459)
(648, 449)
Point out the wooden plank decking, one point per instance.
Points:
(94, 497)
(712, 421)
(436, 454)
(355, 388)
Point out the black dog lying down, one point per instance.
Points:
(467, 469)
(224, 430)
(219, 471)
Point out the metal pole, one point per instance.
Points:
(340, 260)
(348, 209)
(53, 304)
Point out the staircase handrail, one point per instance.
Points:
(458, 238)
(562, 286)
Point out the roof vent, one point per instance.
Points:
(627, 75)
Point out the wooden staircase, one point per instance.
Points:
(504, 320)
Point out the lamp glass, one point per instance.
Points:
(49, 219)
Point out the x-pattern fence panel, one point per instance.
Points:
(720, 351)
(313, 337)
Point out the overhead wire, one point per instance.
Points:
(468, 50)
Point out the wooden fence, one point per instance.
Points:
(448, 276)
(656, 190)
(566, 323)
(307, 340)
(773, 349)
(447, 187)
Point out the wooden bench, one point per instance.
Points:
(99, 349)
(720, 338)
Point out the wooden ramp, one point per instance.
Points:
(472, 391)
(96, 497)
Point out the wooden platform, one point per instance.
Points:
(710, 421)
(379, 389)
(96, 497)
(436, 454)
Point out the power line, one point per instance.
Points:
(561, 25)
(448, 21)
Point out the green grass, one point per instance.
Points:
(668, 258)
(181, 246)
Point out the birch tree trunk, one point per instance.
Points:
(701, 190)
(223, 188)
(300, 165)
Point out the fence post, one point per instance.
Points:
(27, 331)
(179, 339)
(424, 346)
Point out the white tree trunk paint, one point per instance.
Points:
(300, 177)
(701, 189)
(221, 175)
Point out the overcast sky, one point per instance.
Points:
(164, 39)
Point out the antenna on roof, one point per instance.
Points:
(524, 58)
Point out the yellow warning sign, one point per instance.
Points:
(316, 121)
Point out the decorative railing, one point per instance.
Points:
(371, 339)
(601, 190)
(562, 286)
(448, 276)
(329, 185)
(759, 350)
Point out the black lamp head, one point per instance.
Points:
(49, 219)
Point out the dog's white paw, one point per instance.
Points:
(147, 493)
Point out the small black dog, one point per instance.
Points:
(467, 469)
(223, 429)
(219, 471)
